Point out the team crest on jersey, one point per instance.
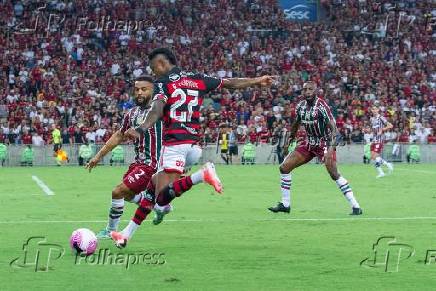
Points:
(174, 77)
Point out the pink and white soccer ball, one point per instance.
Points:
(83, 241)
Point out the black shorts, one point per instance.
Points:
(224, 151)
(56, 147)
(233, 150)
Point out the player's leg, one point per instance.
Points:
(377, 160)
(376, 150)
(116, 210)
(343, 185)
(145, 206)
(134, 182)
(170, 184)
(292, 161)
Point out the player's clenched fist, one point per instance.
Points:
(267, 80)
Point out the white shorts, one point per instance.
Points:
(177, 158)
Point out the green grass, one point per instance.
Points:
(228, 242)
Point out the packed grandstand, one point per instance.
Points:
(64, 63)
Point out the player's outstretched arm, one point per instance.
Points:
(152, 117)
(113, 141)
(240, 83)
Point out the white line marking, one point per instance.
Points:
(416, 171)
(354, 219)
(43, 186)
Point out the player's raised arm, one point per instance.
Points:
(113, 141)
(240, 83)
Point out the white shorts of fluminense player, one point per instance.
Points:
(178, 158)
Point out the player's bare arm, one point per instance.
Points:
(293, 133)
(240, 83)
(333, 140)
(113, 141)
(152, 117)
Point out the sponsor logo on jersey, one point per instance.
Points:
(174, 77)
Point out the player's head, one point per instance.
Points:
(143, 90)
(374, 109)
(309, 90)
(162, 60)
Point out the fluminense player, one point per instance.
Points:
(321, 140)
(178, 96)
(147, 150)
(379, 125)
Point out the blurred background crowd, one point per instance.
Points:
(58, 70)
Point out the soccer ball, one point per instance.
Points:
(83, 241)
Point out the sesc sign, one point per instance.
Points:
(300, 10)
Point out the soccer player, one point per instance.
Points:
(321, 140)
(178, 96)
(379, 125)
(147, 151)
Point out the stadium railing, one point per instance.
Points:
(265, 154)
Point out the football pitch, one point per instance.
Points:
(224, 242)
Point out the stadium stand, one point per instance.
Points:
(64, 71)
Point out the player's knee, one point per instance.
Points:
(334, 176)
(117, 193)
(284, 169)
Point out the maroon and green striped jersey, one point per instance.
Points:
(315, 118)
(182, 92)
(377, 124)
(148, 145)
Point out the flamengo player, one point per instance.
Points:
(147, 151)
(379, 125)
(178, 97)
(315, 115)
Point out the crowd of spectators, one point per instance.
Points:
(64, 63)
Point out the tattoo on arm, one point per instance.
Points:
(294, 128)
(333, 133)
(152, 117)
(238, 83)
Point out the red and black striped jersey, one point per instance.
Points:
(148, 145)
(377, 125)
(315, 119)
(183, 92)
